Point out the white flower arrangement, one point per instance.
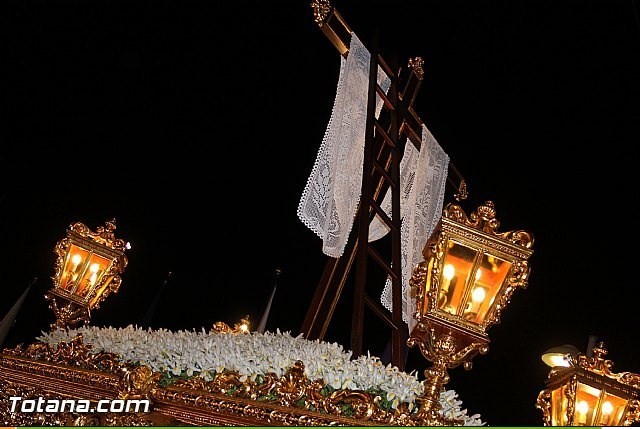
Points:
(204, 354)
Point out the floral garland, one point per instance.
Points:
(192, 353)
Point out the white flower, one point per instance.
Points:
(206, 353)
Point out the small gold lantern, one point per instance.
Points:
(467, 278)
(88, 268)
(587, 393)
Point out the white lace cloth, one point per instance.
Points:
(408, 166)
(422, 193)
(332, 193)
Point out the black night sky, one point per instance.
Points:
(195, 125)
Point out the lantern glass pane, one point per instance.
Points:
(73, 265)
(93, 272)
(456, 270)
(558, 407)
(612, 409)
(586, 403)
(488, 280)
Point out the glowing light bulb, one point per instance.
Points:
(559, 360)
(478, 295)
(478, 274)
(94, 273)
(244, 327)
(607, 409)
(75, 259)
(582, 408)
(448, 272)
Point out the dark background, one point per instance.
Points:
(196, 123)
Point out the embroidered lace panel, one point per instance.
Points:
(332, 193)
(419, 218)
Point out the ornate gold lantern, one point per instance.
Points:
(87, 270)
(587, 393)
(469, 272)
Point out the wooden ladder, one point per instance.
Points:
(385, 138)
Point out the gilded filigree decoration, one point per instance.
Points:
(630, 379)
(293, 389)
(443, 351)
(216, 410)
(569, 391)
(103, 234)
(68, 314)
(484, 219)
(241, 327)
(137, 382)
(633, 413)
(416, 64)
(462, 193)
(321, 10)
(599, 365)
(73, 353)
(543, 403)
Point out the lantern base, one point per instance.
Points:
(68, 314)
(443, 349)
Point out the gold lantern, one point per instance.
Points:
(467, 278)
(587, 393)
(88, 268)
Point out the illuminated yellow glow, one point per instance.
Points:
(607, 408)
(448, 272)
(478, 274)
(94, 268)
(478, 295)
(582, 407)
(93, 278)
(75, 259)
(244, 327)
(557, 360)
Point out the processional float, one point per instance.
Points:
(468, 273)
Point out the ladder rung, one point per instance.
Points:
(379, 311)
(382, 63)
(376, 256)
(385, 218)
(383, 173)
(411, 135)
(385, 99)
(384, 134)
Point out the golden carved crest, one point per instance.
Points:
(416, 64)
(484, 219)
(599, 365)
(321, 9)
(73, 353)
